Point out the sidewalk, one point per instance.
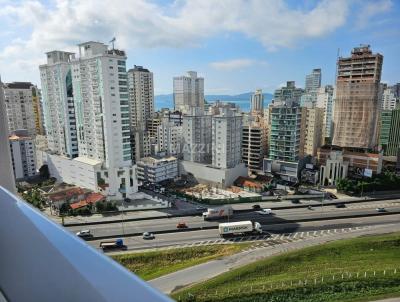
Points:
(205, 271)
(106, 217)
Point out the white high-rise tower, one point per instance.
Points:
(58, 103)
(103, 118)
(257, 102)
(226, 139)
(188, 92)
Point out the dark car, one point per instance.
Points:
(181, 225)
(256, 207)
(295, 201)
(332, 196)
(340, 205)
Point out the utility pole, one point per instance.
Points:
(122, 218)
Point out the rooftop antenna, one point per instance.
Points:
(112, 41)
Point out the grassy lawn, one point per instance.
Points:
(150, 265)
(297, 276)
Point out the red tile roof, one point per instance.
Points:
(95, 197)
(251, 184)
(66, 194)
(91, 198)
(79, 204)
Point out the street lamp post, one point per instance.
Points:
(122, 218)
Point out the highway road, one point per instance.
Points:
(279, 218)
(210, 237)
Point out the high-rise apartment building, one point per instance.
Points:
(254, 142)
(38, 111)
(171, 116)
(7, 180)
(313, 80)
(226, 139)
(101, 101)
(288, 94)
(23, 154)
(313, 138)
(141, 101)
(257, 102)
(390, 99)
(58, 104)
(285, 137)
(389, 137)
(23, 107)
(197, 136)
(188, 92)
(141, 95)
(325, 97)
(356, 112)
(169, 138)
(313, 83)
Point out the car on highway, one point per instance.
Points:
(340, 205)
(265, 212)
(181, 225)
(380, 210)
(148, 236)
(256, 207)
(295, 201)
(199, 208)
(84, 234)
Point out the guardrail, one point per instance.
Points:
(41, 261)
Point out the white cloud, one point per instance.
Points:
(370, 10)
(233, 64)
(145, 24)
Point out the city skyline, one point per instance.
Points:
(235, 56)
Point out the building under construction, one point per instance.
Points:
(356, 111)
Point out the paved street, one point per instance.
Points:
(210, 237)
(278, 217)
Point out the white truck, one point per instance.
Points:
(239, 228)
(218, 213)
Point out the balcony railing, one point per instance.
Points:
(41, 261)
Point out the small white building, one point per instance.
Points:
(23, 155)
(334, 169)
(156, 169)
(208, 174)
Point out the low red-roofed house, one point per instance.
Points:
(91, 198)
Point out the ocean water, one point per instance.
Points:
(242, 100)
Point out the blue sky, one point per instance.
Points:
(236, 45)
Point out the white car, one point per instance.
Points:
(84, 234)
(148, 236)
(265, 212)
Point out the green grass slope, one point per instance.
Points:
(348, 270)
(150, 265)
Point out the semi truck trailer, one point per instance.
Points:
(117, 244)
(218, 213)
(239, 228)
